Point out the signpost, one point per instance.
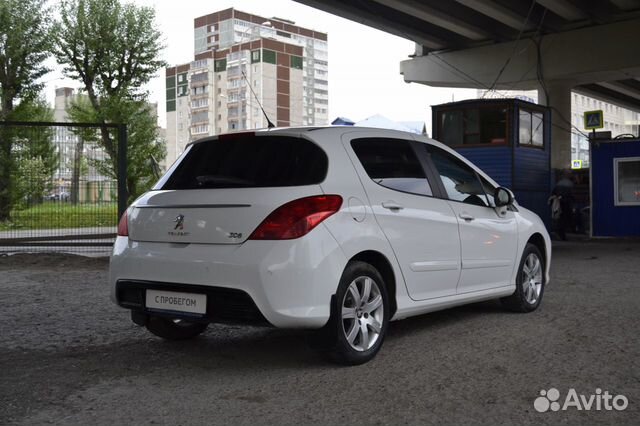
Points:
(593, 120)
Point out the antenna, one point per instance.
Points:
(269, 123)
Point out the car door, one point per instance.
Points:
(488, 235)
(420, 228)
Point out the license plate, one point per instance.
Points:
(176, 301)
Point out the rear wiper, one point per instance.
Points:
(214, 180)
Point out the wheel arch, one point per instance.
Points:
(382, 264)
(538, 240)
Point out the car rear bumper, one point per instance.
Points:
(290, 282)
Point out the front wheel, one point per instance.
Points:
(529, 282)
(359, 318)
(175, 329)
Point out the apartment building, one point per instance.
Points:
(245, 63)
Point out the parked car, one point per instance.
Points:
(58, 196)
(338, 229)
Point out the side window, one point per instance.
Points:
(392, 163)
(460, 181)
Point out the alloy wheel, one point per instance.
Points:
(532, 278)
(362, 313)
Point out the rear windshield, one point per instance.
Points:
(250, 162)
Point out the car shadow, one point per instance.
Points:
(246, 348)
(434, 321)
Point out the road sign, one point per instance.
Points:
(593, 120)
(576, 164)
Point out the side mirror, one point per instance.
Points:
(503, 197)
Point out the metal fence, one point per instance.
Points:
(62, 186)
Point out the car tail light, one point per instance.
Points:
(297, 218)
(123, 225)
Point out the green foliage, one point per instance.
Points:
(36, 142)
(34, 155)
(25, 43)
(61, 214)
(32, 183)
(114, 49)
(144, 146)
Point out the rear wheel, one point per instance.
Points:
(174, 329)
(359, 318)
(529, 282)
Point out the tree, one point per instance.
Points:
(144, 145)
(113, 49)
(34, 154)
(25, 43)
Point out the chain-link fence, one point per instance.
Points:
(59, 186)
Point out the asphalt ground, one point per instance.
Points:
(69, 356)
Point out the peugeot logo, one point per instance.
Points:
(179, 220)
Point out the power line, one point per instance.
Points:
(515, 47)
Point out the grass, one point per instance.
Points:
(62, 214)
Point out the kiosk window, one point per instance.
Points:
(531, 128)
(473, 126)
(627, 181)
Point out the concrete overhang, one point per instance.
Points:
(581, 56)
(589, 44)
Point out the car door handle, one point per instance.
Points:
(466, 216)
(392, 206)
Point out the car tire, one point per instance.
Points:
(529, 282)
(359, 316)
(175, 329)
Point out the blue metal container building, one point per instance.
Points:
(509, 139)
(615, 188)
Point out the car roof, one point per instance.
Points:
(309, 129)
(342, 130)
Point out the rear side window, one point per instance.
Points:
(392, 163)
(250, 162)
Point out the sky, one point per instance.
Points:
(364, 63)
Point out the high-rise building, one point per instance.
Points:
(241, 62)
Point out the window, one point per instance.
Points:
(199, 129)
(627, 181)
(392, 163)
(473, 126)
(249, 161)
(460, 181)
(531, 128)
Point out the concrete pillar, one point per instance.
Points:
(559, 99)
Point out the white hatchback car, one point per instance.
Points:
(339, 229)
